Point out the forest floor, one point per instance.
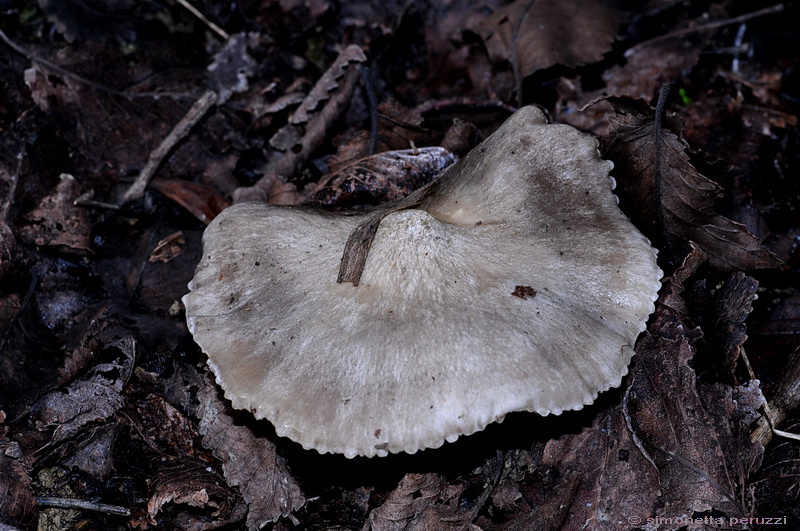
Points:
(128, 126)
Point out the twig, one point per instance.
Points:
(373, 110)
(82, 80)
(772, 10)
(84, 505)
(87, 200)
(737, 44)
(178, 133)
(191, 9)
(310, 122)
(787, 397)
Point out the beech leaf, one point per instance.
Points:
(669, 200)
(421, 501)
(249, 462)
(672, 446)
(539, 34)
(57, 222)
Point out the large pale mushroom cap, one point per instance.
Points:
(516, 284)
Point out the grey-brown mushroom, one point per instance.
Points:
(513, 283)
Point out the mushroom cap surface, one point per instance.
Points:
(517, 284)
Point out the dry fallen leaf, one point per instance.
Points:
(168, 248)
(196, 487)
(732, 304)
(94, 398)
(387, 176)
(651, 63)
(532, 34)
(202, 201)
(673, 447)
(420, 502)
(94, 451)
(248, 462)
(17, 503)
(668, 199)
(57, 222)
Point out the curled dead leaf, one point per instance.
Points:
(380, 178)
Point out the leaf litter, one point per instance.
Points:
(105, 393)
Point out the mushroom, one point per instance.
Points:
(512, 283)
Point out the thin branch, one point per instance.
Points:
(82, 505)
(772, 10)
(178, 133)
(786, 399)
(82, 80)
(373, 110)
(194, 11)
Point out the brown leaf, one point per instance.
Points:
(401, 127)
(551, 504)
(664, 194)
(96, 397)
(459, 137)
(195, 487)
(672, 448)
(57, 222)
(248, 461)
(168, 248)
(455, 65)
(506, 496)
(202, 201)
(676, 430)
(17, 503)
(420, 502)
(387, 176)
(97, 124)
(165, 427)
(93, 453)
(539, 34)
(651, 63)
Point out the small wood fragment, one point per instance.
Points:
(178, 133)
